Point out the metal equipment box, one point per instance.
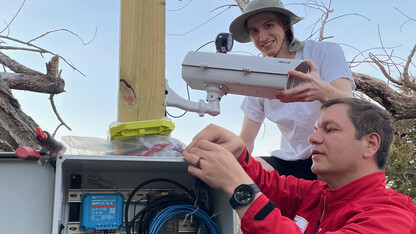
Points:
(121, 174)
(26, 195)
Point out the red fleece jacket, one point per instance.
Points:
(290, 205)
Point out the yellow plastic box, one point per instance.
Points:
(142, 128)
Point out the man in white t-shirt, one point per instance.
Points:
(270, 27)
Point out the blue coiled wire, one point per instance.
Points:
(174, 210)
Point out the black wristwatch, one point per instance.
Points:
(243, 195)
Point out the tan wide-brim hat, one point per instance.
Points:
(238, 26)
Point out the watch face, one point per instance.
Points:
(243, 194)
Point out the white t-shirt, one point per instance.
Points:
(296, 120)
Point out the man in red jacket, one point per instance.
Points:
(350, 146)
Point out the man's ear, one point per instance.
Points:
(372, 143)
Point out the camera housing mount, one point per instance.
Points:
(220, 74)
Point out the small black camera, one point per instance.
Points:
(224, 42)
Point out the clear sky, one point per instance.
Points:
(89, 104)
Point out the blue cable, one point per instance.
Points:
(174, 210)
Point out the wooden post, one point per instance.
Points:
(142, 60)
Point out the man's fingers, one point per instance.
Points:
(195, 162)
(192, 159)
(198, 162)
(201, 147)
(312, 66)
(208, 134)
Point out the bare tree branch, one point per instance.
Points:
(181, 34)
(30, 80)
(56, 113)
(14, 17)
(66, 30)
(33, 83)
(408, 18)
(41, 49)
(383, 70)
(401, 106)
(21, 48)
(16, 128)
(382, 46)
(180, 7)
(56, 129)
(242, 4)
(406, 78)
(15, 66)
(325, 19)
(228, 6)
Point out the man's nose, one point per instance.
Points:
(315, 138)
(262, 35)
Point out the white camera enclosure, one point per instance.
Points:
(241, 74)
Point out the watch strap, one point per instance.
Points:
(234, 204)
(255, 188)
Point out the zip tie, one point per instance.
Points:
(216, 214)
(191, 214)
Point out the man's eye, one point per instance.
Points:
(330, 129)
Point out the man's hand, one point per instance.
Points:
(313, 87)
(215, 134)
(212, 155)
(216, 166)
